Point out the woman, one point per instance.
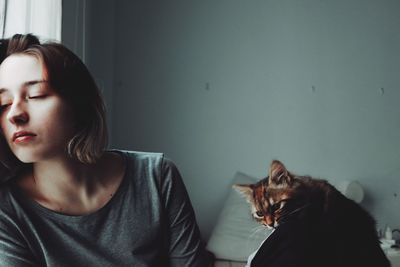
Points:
(69, 202)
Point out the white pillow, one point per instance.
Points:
(236, 235)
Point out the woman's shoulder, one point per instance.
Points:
(144, 159)
(6, 197)
(11, 195)
(139, 155)
(153, 165)
(5, 190)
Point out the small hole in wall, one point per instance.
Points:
(313, 89)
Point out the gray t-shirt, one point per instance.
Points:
(148, 222)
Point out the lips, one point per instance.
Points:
(22, 136)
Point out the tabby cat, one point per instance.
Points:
(328, 228)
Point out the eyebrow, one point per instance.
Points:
(26, 84)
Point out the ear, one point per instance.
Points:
(278, 174)
(246, 190)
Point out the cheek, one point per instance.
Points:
(66, 115)
(60, 125)
(4, 132)
(59, 119)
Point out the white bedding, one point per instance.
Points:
(236, 235)
(222, 263)
(393, 255)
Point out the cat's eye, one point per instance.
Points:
(278, 205)
(259, 213)
(275, 207)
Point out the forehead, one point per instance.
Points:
(18, 69)
(260, 196)
(259, 191)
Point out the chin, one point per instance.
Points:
(27, 155)
(25, 158)
(30, 155)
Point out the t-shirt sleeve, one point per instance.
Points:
(13, 250)
(183, 237)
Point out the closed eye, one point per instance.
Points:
(3, 107)
(37, 96)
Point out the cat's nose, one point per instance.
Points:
(269, 221)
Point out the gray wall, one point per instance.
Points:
(88, 29)
(222, 86)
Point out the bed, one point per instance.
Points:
(235, 235)
(226, 263)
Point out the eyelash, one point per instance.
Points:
(2, 107)
(37, 96)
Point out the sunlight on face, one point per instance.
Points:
(35, 121)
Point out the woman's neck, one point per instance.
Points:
(62, 175)
(70, 187)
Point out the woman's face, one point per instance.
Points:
(35, 121)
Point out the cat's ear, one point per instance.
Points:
(278, 174)
(245, 190)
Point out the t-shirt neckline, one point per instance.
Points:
(35, 206)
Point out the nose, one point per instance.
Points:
(269, 221)
(17, 113)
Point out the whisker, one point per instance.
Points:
(256, 230)
(286, 214)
